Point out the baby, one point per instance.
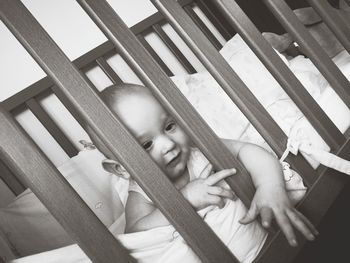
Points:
(192, 174)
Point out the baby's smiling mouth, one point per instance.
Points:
(175, 160)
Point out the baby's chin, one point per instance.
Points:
(177, 172)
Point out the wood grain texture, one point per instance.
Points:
(333, 21)
(11, 180)
(311, 48)
(212, 13)
(25, 158)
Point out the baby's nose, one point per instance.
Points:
(168, 145)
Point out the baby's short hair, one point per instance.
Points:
(111, 95)
(115, 93)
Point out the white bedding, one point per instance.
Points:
(228, 122)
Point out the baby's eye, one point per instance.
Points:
(147, 145)
(170, 126)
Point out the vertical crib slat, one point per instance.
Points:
(155, 55)
(321, 122)
(52, 127)
(173, 48)
(221, 24)
(107, 69)
(75, 87)
(231, 83)
(11, 180)
(189, 10)
(334, 22)
(22, 155)
(312, 49)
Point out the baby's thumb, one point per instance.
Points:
(250, 216)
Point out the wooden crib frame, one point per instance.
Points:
(26, 166)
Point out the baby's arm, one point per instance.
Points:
(270, 199)
(141, 214)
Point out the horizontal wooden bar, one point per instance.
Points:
(331, 17)
(315, 205)
(11, 180)
(155, 55)
(113, 134)
(26, 94)
(293, 87)
(173, 48)
(107, 69)
(229, 81)
(23, 157)
(52, 127)
(311, 48)
(218, 21)
(198, 21)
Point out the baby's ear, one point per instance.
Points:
(116, 168)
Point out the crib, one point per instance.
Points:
(24, 165)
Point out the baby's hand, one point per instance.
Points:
(204, 192)
(272, 201)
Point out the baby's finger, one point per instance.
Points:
(215, 200)
(224, 185)
(217, 177)
(266, 216)
(250, 216)
(287, 229)
(308, 223)
(219, 191)
(206, 171)
(300, 225)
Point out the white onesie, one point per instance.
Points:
(245, 241)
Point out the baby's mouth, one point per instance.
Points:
(175, 160)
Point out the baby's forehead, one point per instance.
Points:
(137, 102)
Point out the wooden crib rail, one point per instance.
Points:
(312, 49)
(24, 157)
(11, 179)
(293, 87)
(77, 90)
(330, 16)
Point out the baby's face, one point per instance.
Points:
(157, 132)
